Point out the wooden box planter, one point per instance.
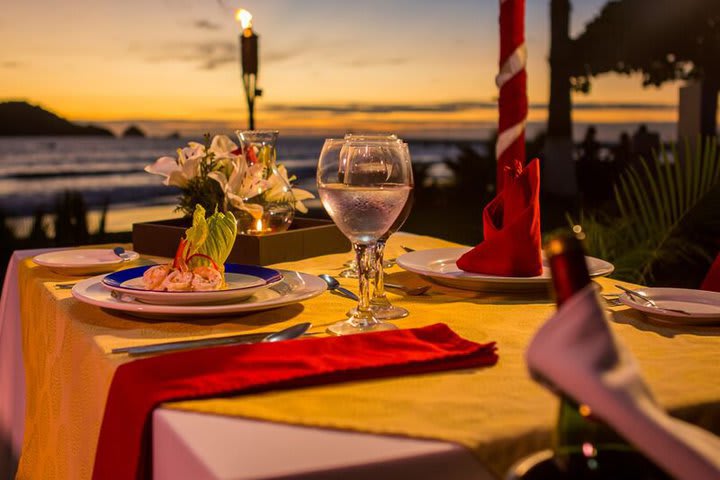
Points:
(307, 237)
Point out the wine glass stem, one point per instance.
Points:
(379, 287)
(364, 257)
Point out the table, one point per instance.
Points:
(502, 417)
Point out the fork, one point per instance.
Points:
(649, 301)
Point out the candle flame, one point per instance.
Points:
(259, 225)
(244, 17)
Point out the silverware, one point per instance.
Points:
(64, 286)
(613, 302)
(649, 301)
(123, 297)
(412, 291)
(285, 334)
(335, 287)
(120, 252)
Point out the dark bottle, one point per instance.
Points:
(583, 446)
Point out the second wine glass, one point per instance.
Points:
(381, 306)
(364, 186)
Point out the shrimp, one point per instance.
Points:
(154, 276)
(177, 281)
(207, 278)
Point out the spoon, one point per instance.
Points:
(409, 290)
(120, 252)
(335, 287)
(288, 333)
(649, 301)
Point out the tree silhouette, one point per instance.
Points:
(664, 40)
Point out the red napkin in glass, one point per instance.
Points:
(124, 446)
(511, 227)
(712, 279)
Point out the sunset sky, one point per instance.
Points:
(417, 67)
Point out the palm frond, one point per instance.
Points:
(669, 212)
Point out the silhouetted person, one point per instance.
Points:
(591, 173)
(590, 148)
(621, 155)
(644, 142)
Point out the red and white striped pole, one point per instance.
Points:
(512, 82)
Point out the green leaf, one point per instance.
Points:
(667, 214)
(222, 230)
(198, 233)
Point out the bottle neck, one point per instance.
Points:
(569, 274)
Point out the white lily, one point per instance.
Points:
(223, 147)
(179, 171)
(280, 186)
(245, 182)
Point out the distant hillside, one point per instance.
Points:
(21, 118)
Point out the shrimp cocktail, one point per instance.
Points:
(199, 262)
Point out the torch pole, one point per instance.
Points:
(249, 68)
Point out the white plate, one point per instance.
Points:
(703, 306)
(439, 265)
(242, 281)
(82, 261)
(295, 287)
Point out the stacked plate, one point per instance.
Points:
(677, 306)
(438, 265)
(249, 288)
(83, 261)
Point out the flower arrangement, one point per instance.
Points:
(219, 176)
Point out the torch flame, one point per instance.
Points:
(244, 17)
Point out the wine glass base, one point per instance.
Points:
(390, 312)
(350, 327)
(348, 273)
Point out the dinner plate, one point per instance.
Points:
(438, 264)
(83, 261)
(293, 288)
(242, 281)
(703, 307)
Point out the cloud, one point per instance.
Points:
(446, 107)
(210, 55)
(206, 25)
(375, 62)
(11, 64)
(382, 108)
(622, 106)
(207, 55)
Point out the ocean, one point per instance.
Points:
(35, 171)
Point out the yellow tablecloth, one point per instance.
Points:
(497, 412)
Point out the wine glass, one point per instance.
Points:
(350, 270)
(364, 186)
(379, 303)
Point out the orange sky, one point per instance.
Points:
(176, 60)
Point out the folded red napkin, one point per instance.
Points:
(511, 228)
(123, 450)
(712, 279)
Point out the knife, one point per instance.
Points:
(285, 334)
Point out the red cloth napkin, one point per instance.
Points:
(124, 445)
(712, 279)
(511, 227)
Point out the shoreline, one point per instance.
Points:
(119, 219)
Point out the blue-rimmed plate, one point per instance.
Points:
(242, 282)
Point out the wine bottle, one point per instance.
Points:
(583, 446)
